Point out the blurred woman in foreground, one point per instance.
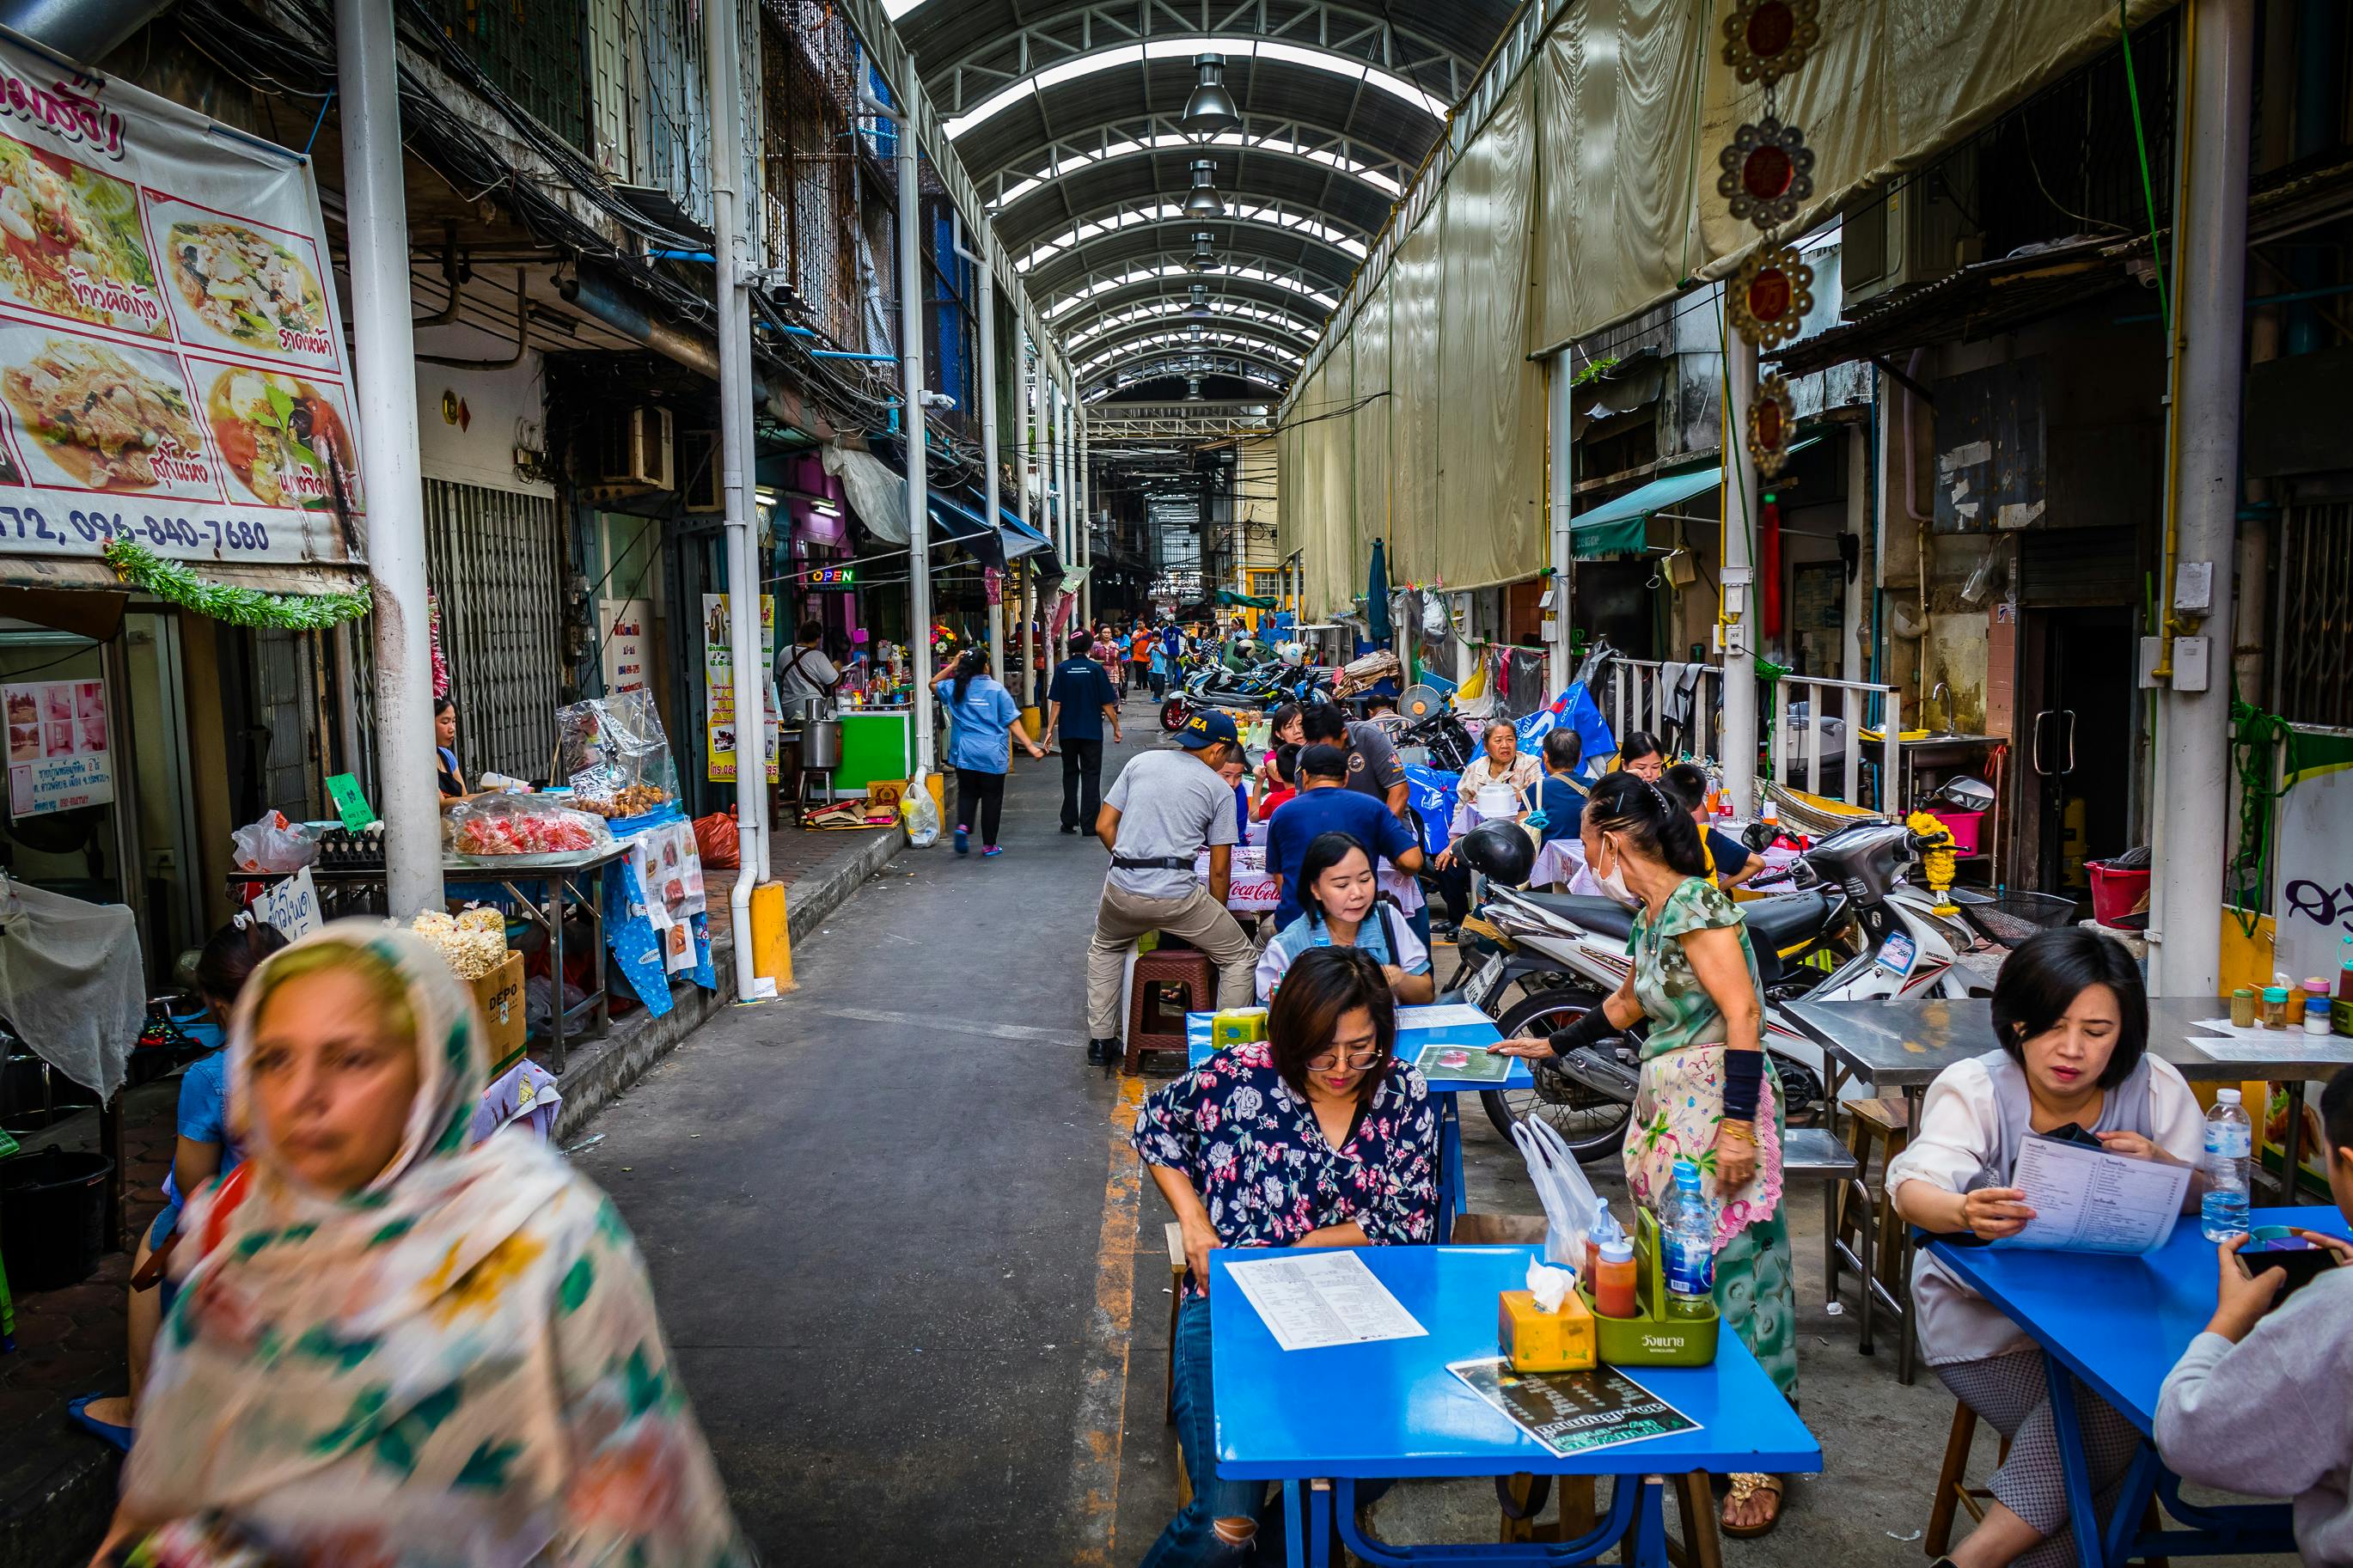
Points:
(389, 1347)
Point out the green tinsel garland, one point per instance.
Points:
(138, 565)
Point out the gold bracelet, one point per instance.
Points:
(1744, 1131)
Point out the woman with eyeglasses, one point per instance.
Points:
(1318, 1136)
(1707, 1092)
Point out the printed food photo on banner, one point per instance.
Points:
(284, 439)
(71, 243)
(102, 416)
(241, 285)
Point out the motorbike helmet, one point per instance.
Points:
(1503, 851)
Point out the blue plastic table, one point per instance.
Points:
(1352, 1413)
(1413, 1035)
(2120, 1325)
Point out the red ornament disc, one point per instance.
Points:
(1768, 422)
(1769, 295)
(1770, 27)
(1766, 172)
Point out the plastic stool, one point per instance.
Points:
(1153, 1025)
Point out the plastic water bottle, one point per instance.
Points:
(2229, 1147)
(1688, 1239)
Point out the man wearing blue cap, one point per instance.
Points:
(1163, 810)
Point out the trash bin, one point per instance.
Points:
(2119, 894)
(52, 1218)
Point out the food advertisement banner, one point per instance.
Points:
(2312, 909)
(171, 363)
(60, 755)
(719, 687)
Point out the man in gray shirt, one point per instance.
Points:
(2257, 1404)
(1374, 766)
(1163, 810)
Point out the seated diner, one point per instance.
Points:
(2070, 1032)
(1341, 906)
(1318, 1136)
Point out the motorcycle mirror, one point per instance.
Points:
(1967, 793)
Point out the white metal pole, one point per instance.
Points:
(2209, 251)
(1739, 759)
(1026, 397)
(919, 531)
(385, 386)
(1005, 595)
(1560, 456)
(1086, 507)
(747, 678)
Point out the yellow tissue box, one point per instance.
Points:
(1237, 1026)
(1533, 1340)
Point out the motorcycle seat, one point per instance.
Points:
(1607, 915)
(1785, 920)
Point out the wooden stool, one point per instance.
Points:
(1155, 1020)
(1868, 1235)
(1953, 1489)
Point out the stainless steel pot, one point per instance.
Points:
(821, 743)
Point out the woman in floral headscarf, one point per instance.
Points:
(390, 1347)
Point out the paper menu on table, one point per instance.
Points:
(2088, 1200)
(1444, 1016)
(1327, 1299)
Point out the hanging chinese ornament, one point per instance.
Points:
(1768, 176)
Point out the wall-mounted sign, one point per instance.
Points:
(172, 275)
(60, 753)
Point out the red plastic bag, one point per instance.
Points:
(716, 843)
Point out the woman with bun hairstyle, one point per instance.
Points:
(1709, 1093)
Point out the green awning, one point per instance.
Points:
(1620, 528)
(1230, 599)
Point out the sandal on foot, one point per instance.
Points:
(105, 1431)
(1745, 1486)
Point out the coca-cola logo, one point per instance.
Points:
(68, 110)
(114, 299)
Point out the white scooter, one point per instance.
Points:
(1563, 953)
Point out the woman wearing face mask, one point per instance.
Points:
(393, 1347)
(1342, 908)
(1316, 1136)
(1709, 1093)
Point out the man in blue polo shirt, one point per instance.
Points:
(1079, 702)
(1326, 804)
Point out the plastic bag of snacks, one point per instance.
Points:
(474, 942)
(520, 825)
(612, 753)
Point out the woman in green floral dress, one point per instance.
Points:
(1709, 1093)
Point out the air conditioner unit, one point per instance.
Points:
(698, 459)
(633, 449)
(1910, 234)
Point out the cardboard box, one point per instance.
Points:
(499, 995)
(1533, 1340)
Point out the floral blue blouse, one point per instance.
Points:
(1255, 1153)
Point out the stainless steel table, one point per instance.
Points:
(1902, 1045)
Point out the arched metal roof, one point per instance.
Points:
(1134, 148)
(1167, 337)
(1243, 177)
(1248, 367)
(1242, 212)
(1228, 288)
(1299, 330)
(1322, 267)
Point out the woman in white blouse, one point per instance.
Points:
(2070, 1016)
(1499, 762)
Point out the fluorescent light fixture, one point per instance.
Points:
(1169, 212)
(1277, 145)
(1220, 48)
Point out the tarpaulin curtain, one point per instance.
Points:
(1413, 442)
(1491, 464)
(1374, 518)
(1334, 571)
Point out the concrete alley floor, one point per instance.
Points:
(917, 1286)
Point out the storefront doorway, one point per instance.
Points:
(2075, 749)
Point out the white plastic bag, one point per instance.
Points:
(1569, 1204)
(921, 815)
(274, 844)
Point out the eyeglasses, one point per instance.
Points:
(1359, 1061)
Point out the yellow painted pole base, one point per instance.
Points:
(771, 938)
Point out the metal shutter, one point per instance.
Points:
(494, 566)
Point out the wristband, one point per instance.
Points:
(1743, 1077)
(1589, 1030)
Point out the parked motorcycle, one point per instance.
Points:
(1565, 953)
(1253, 691)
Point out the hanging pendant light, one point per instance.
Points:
(1204, 202)
(1197, 297)
(1193, 389)
(1205, 253)
(1210, 108)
